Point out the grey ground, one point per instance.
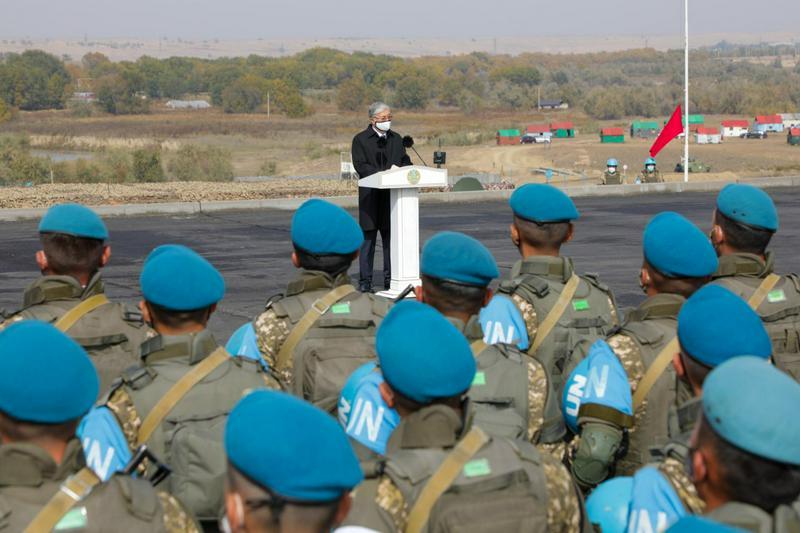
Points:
(252, 248)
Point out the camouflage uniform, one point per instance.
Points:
(612, 179)
(111, 333)
(651, 177)
(30, 478)
(196, 421)
(742, 274)
(272, 330)
(380, 504)
(534, 401)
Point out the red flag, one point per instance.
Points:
(673, 128)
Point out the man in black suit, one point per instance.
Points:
(375, 149)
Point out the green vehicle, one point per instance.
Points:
(694, 166)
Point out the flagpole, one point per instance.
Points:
(686, 90)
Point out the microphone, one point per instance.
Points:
(408, 142)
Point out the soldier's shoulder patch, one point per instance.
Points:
(675, 472)
(389, 498)
(176, 518)
(121, 404)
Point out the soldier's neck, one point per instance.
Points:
(187, 329)
(527, 251)
(55, 448)
(724, 249)
(83, 279)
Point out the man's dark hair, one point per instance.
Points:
(744, 238)
(454, 402)
(449, 296)
(20, 431)
(68, 255)
(333, 264)
(751, 479)
(696, 371)
(178, 319)
(548, 235)
(275, 513)
(666, 285)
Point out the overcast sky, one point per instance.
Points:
(247, 19)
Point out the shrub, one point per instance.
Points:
(147, 165)
(201, 163)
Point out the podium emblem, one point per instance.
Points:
(413, 176)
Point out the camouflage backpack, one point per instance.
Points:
(338, 337)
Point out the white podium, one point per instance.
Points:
(404, 183)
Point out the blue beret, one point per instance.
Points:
(749, 205)
(177, 278)
(715, 324)
(699, 524)
(321, 228)
(422, 355)
(73, 219)
(542, 203)
(45, 377)
(677, 248)
(457, 257)
(753, 405)
(290, 447)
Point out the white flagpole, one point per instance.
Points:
(686, 90)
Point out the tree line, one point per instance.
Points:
(642, 82)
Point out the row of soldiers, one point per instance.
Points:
(467, 410)
(649, 174)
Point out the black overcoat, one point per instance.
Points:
(372, 154)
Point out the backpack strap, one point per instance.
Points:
(444, 476)
(763, 290)
(317, 309)
(178, 391)
(650, 377)
(73, 490)
(88, 305)
(549, 322)
(477, 347)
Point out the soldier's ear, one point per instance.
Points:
(419, 294)
(514, 234)
(41, 260)
(234, 511)
(145, 312)
(295, 260)
(342, 510)
(106, 257)
(387, 394)
(570, 233)
(487, 297)
(677, 362)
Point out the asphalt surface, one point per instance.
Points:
(252, 248)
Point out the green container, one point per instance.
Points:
(697, 119)
(509, 133)
(612, 139)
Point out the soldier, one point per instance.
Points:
(439, 471)
(678, 260)
(322, 325)
(611, 176)
(650, 174)
(177, 399)
(558, 307)
(47, 383)
(744, 222)
(714, 325)
(70, 294)
(743, 454)
(294, 474)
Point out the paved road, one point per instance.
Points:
(252, 248)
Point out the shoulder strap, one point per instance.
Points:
(317, 309)
(549, 322)
(650, 377)
(477, 347)
(73, 490)
(88, 305)
(444, 476)
(178, 391)
(763, 290)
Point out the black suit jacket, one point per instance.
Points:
(373, 154)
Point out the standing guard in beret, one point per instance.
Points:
(744, 458)
(745, 219)
(71, 295)
(176, 401)
(559, 307)
(294, 473)
(440, 472)
(678, 260)
(317, 333)
(47, 383)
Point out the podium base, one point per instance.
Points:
(397, 288)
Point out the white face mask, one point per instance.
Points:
(651, 168)
(384, 126)
(612, 170)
